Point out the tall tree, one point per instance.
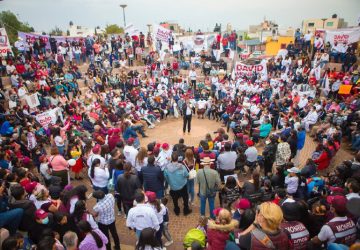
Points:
(12, 24)
(56, 31)
(113, 29)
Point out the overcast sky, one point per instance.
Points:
(43, 15)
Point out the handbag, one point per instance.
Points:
(111, 184)
(192, 172)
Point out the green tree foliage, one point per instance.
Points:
(56, 31)
(12, 24)
(113, 29)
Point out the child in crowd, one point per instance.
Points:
(166, 232)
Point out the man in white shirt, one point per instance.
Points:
(192, 77)
(311, 118)
(187, 115)
(307, 38)
(130, 152)
(354, 189)
(201, 108)
(340, 228)
(96, 155)
(142, 215)
(164, 156)
(303, 102)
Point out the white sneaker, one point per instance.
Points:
(157, 120)
(152, 126)
(119, 213)
(168, 243)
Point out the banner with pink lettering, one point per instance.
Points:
(242, 69)
(48, 117)
(348, 36)
(4, 43)
(30, 37)
(162, 34)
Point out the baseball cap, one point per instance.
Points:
(165, 146)
(293, 170)
(339, 203)
(250, 143)
(29, 188)
(243, 204)
(151, 196)
(216, 211)
(40, 214)
(130, 141)
(96, 149)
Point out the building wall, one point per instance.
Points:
(273, 46)
(329, 24)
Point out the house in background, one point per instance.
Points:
(174, 26)
(332, 23)
(77, 30)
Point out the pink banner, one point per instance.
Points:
(30, 37)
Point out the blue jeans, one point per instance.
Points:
(191, 190)
(61, 150)
(160, 194)
(355, 142)
(211, 200)
(11, 219)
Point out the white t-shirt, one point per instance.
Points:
(139, 165)
(59, 142)
(308, 36)
(101, 177)
(130, 154)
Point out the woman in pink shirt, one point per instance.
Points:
(58, 165)
(334, 106)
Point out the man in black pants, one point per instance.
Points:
(187, 115)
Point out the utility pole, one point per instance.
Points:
(123, 6)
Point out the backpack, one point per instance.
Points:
(314, 186)
(194, 235)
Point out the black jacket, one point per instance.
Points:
(152, 177)
(126, 187)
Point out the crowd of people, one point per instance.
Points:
(268, 199)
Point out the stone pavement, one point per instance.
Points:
(170, 131)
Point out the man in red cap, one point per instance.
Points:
(164, 156)
(251, 155)
(96, 155)
(340, 229)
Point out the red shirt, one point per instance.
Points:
(20, 68)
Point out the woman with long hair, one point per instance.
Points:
(252, 186)
(148, 240)
(127, 184)
(141, 159)
(219, 230)
(99, 176)
(69, 198)
(230, 193)
(81, 214)
(94, 238)
(189, 162)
